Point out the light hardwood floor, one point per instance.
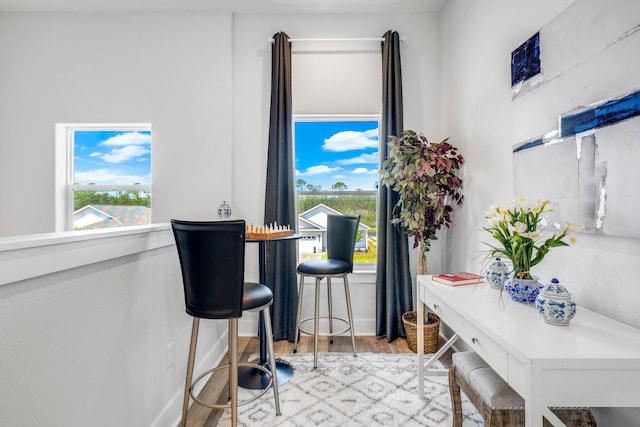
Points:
(217, 386)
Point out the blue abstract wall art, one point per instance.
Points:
(525, 60)
(549, 138)
(577, 122)
(587, 166)
(605, 114)
(529, 144)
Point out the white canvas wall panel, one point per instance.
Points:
(618, 150)
(557, 47)
(584, 29)
(591, 175)
(610, 73)
(615, 18)
(549, 172)
(536, 112)
(568, 38)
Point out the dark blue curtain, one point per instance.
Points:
(394, 294)
(279, 206)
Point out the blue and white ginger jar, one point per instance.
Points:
(224, 210)
(555, 305)
(523, 290)
(497, 273)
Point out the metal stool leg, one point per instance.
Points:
(348, 297)
(330, 299)
(192, 355)
(298, 312)
(272, 357)
(316, 324)
(233, 369)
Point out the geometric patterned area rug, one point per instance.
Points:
(369, 390)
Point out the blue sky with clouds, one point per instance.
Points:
(337, 151)
(112, 157)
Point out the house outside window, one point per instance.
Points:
(103, 177)
(336, 173)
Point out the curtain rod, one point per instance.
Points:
(362, 39)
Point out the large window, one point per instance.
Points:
(107, 180)
(336, 173)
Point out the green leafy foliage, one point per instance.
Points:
(426, 177)
(126, 198)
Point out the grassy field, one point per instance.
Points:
(370, 255)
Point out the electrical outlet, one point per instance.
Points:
(170, 355)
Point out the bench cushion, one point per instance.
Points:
(489, 386)
(498, 403)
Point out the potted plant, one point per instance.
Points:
(518, 230)
(426, 178)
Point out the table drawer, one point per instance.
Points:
(488, 349)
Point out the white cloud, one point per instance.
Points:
(129, 138)
(95, 154)
(122, 154)
(106, 176)
(364, 171)
(317, 170)
(351, 140)
(363, 158)
(372, 133)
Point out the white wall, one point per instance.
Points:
(478, 38)
(84, 331)
(172, 70)
(86, 346)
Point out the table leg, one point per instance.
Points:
(420, 343)
(426, 369)
(252, 378)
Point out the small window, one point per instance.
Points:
(107, 176)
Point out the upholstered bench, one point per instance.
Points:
(499, 404)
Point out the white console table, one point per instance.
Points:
(593, 362)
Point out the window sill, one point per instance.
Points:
(364, 276)
(25, 257)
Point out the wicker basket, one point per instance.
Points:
(431, 332)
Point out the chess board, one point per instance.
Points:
(265, 232)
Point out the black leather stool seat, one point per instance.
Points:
(255, 295)
(319, 267)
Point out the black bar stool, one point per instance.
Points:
(212, 262)
(341, 240)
